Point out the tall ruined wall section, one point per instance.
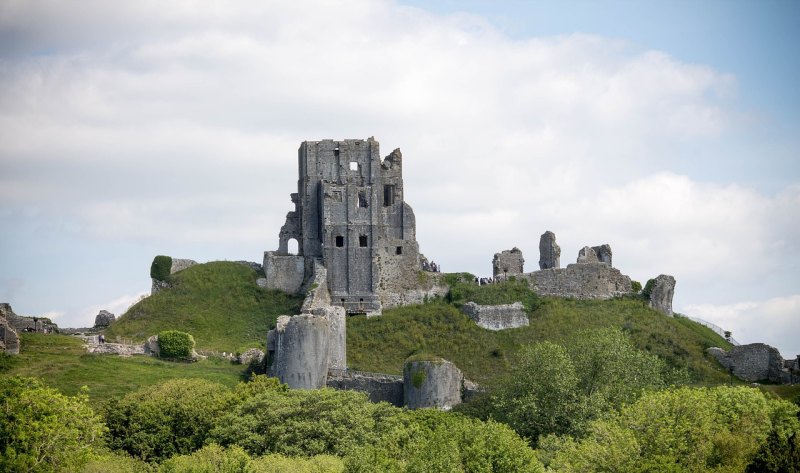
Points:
(349, 215)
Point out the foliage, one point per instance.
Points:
(777, 455)
(505, 292)
(429, 440)
(300, 422)
(219, 303)
(161, 268)
(684, 429)
(554, 389)
(7, 362)
(159, 421)
(215, 459)
(383, 343)
(175, 344)
(43, 430)
(636, 286)
(116, 462)
(62, 362)
(648, 288)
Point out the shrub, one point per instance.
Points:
(175, 344)
(161, 267)
(43, 430)
(157, 422)
(648, 288)
(636, 286)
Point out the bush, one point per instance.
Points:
(175, 344)
(157, 422)
(43, 430)
(648, 288)
(161, 268)
(636, 286)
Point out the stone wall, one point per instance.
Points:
(581, 281)
(379, 387)
(284, 272)
(104, 318)
(549, 251)
(180, 265)
(9, 340)
(754, 362)
(497, 317)
(300, 346)
(661, 294)
(508, 263)
(431, 383)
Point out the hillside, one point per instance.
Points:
(438, 328)
(219, 303)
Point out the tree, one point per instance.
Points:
(43, 430)
(171, 418)
(687, 430)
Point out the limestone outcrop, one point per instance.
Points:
(433, 383)
(754, 362)
(661, 294)
(508, 263)
(497, 317)
(103, 319)
(549, 251)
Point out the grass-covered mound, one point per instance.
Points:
(382, 343)
(61, 362)
(218, 303)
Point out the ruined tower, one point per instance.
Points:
(349, 216)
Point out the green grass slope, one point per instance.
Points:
(218, 303)
(61, 362)
(439, 328)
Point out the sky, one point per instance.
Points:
(669, 130)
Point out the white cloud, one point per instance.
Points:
(774, 321)
(180, 122)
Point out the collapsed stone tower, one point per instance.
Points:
(349, 216)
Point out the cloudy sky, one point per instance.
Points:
(669, 130)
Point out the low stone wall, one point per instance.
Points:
(753, 362)
(380, 387)
(116, 349)
(497, 317)
(581, 281)
(284, 272)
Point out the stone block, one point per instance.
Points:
(432, 383)
(497, 317)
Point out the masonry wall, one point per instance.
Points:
(581, 281)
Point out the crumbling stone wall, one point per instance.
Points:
(300, 346)
(104, 318)
(497, 317)
(508, 263)
(603, 253)
(753, 362)
(349, 214)
(661, 294)
(379, 387)
(581, 281)
(549, 251)
(9, 340)
(432, 383)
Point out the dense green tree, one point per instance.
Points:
(428, 440)
(555, 389)
(42, 430)
(682, 430)
(215, 459)
(171, 418)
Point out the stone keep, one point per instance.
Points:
(508, 263)
(549, 251)
(349, 215)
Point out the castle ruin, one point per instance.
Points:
(350, 217)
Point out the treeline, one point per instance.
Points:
(593, 404)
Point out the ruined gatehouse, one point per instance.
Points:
(350, 217)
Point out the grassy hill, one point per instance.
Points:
(62, 362)
(439, 328)
(219, 303)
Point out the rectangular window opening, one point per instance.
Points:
(336, 152)
(362, 241)
(399, 250)
(362, 199)
(353, 164)
(339, 241)
(388, 195)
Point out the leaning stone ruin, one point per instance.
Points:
(103, 319)
(661, 294)
(350, 218)
(549, 251)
